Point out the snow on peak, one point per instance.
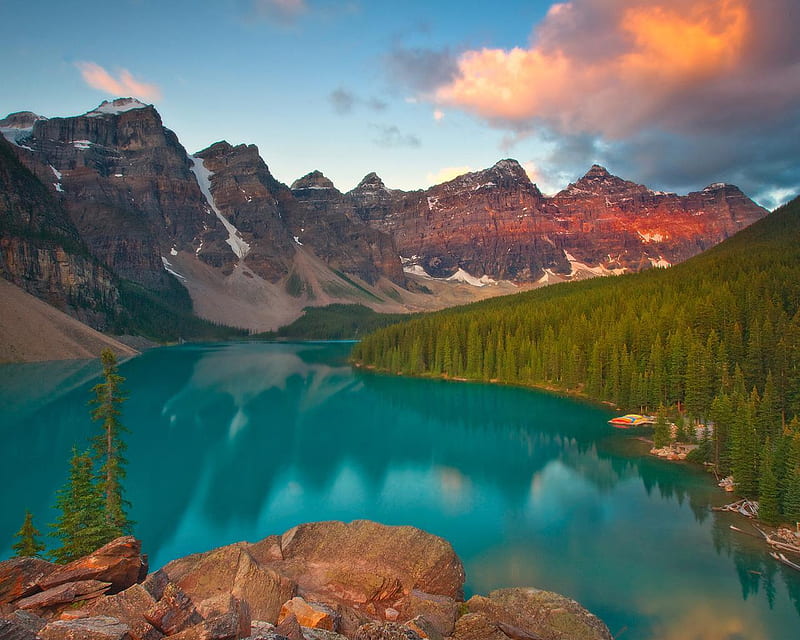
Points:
(203, 175)
(716, 186)
(115, 107)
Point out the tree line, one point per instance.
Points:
(715, 339)
(91, 504)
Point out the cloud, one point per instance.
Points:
(391, 136)
(422, 70)
(344, 101)
(646, 61)
(446, 173)
(710, 78)
(281, 11)
(438, 115)
(123, 85)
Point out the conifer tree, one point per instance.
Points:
(108, 446)
(81, 527)
(28, 545)
(661, 431)
(769, 509)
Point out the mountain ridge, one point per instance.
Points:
(145, 208)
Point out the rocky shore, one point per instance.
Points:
(318, 581)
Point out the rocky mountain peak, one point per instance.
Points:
(313, 180)
(221, 148)
(597, 171)
(511, 168)
(117, 106)
(598, 181)
(371, 181)
(20, 120)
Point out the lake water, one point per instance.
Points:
(238, 441)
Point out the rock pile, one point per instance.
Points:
(318, 581)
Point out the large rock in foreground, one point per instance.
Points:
(533, 613)
(320, 581)
(119, 562)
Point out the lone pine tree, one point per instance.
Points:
(108, 446)
(28, 544)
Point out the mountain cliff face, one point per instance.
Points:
(339, 235)
(125, 182)
(41, 251)
(487, 223)
(497, 223)
(631, 225)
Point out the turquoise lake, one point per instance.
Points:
(235, 442)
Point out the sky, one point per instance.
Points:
(674, 94)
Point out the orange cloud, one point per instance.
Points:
(654, 53)
(124, 85)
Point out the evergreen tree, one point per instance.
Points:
(661, 431)
(28, 545)
(768, 509)
(109, 446)
(81, 527)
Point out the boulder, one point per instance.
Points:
(266, 550)
(365, 561)
(385, 631)
(174, 612)
(14, 630)
(19, 577)
(440, 611)
(290, 628)
(322, 634)
(424, 629)
(537, 613)
(313, 615)
(81, 590)
(232, 570)
(228, 607)
(155, 583)
(94, 628)
(128, 607)
(262, 630)
(476, 626)
(224, 627)
(119, 562)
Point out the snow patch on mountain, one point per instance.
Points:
(652, 237)
(57, 174)
(600, 270)
(463, 276)
(168, 268)
(203, 175)
(115, 107)
(660, 263)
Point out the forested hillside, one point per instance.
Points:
(717, 337)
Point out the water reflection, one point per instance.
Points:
(232, 442)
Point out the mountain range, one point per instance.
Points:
(106, 216)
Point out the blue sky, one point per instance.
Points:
(671, 94)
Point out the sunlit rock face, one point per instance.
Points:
(497, 223)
